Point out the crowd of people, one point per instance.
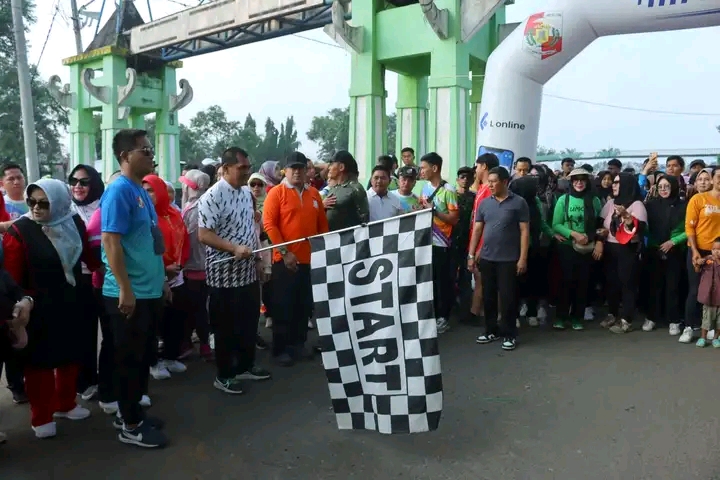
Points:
(165, 280)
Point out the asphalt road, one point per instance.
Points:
(563, 406)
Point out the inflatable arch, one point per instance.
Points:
(545, 42)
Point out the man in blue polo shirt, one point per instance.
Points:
(132, 248)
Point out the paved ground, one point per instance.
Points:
(565, 405)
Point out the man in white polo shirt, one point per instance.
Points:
(382, 204)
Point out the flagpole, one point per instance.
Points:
(307, 239)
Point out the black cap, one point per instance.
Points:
(465, 171)
(407, 171)
(697, 162)
(295, 160)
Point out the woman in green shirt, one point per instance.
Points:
(666, 251)
(575, 221)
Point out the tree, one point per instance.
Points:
(50, 118)
(610, 152)
(215, 132)
(570, 153)
(332, 132)
(544, 152)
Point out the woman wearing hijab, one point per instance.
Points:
(624, 220)
(194, 184)
(533, 285)
(270, 170)
(87, 187)
(666, 242)
(258, 187)
(575, 222)
(177, 252)
(43, 250)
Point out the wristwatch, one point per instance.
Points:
(283, 251)
(29, 299)
(471, 257)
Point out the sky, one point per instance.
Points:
(306, 75)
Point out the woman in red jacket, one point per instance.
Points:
(43, 253)
(177, 252)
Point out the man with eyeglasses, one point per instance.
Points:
(132, 248)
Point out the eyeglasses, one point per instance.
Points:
(616, 182)
(83, 182)
(147, 151)
(255, 184)
(41, 204)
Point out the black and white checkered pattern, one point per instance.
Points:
(418, 403)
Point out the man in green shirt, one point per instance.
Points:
(346, 203)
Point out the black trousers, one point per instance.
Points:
(173, 323)
(693, 309)
(664, 276)
(135, 341)
(88, 316)
(197, 308)
(622, 268)
(107, 379)
(14, 370)
(234, 314)
(443, 281)
(575, 269)
(533, 285)
(292, 307)
(267, 298)
(500, 279)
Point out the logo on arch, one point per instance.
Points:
(543, 35)
(484, 121)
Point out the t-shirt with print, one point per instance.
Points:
(126, 209)
(409, 202)
(229, 212)
(445, 201)
(15, 208)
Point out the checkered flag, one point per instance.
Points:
(373, 292)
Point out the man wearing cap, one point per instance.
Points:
(346, 203)
(226, 227)
(407, 176)
(461, 233)
(292, 211)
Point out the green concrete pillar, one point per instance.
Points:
(167, 130)
(82, 127)
(113, 74)
(412, 112)
(478, 80)
(368, 138)
(448, 123)
(137, 121)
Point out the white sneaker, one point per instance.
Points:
(609, 321)
(523, 309)
(517, 323)
(173, 366)
(711, 335)
(89, 392)
(48, 430)
(533, 321)
(268, 322)
(77, 413)
(589, 314)
(687, 335)
(109, 407)
(159, 372)
(311, 325)
(145, 401)
(211, 341)
(442, 325)
(648, 326)
(674, 329)
(542, 314)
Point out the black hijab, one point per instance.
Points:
(527, 187)
(628, 191)
(589, 214)
(665, 214)
(97, 187)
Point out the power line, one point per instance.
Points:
(47, 37)
(634, 109)
(318, 41)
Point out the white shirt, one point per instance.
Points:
(382, 208)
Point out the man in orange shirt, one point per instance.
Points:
(292, 211)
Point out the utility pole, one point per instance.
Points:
(26, 101)
(76, 26)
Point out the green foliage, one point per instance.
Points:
(50, 118)
(543, 152)
(332, 132)
(609, 152)
(570, 153)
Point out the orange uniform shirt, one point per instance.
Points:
(290, 215)
(702, 219)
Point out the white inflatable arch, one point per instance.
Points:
(545, 42)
